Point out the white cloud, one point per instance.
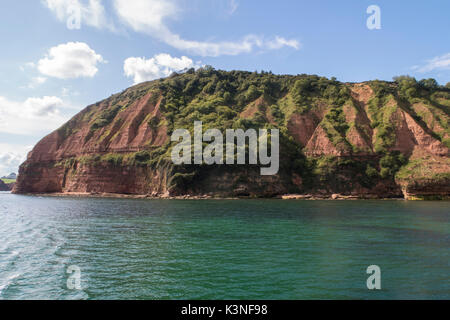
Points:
(32, 116)
(42, 107)
(11, 157)
(27, 65)
(69, 92)
(92, 12)
(214, 49)
(70, 60)
(36, 81)
(148, 16)
(437, 63)
(142, 15)
(65, 92)
(161, 65)
(280, 42)
(234, 4)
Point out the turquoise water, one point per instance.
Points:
(222, 249)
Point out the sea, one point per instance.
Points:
(102, 248)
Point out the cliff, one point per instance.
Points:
(372, 140)
(4, 186)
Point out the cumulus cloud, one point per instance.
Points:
(9, 162)
(42, 107)
(148, 16)
(11, 157)
(437, 63)
(70, 60)
(92, 12)
(32, 116)
(161, 65)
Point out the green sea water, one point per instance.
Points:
(222, 249)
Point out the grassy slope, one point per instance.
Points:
(7, 181)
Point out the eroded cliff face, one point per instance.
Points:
(364, 140)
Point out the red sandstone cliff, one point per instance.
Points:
(79, 157)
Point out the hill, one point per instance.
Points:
(371, 140)
(11, 176)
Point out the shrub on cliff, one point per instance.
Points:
(142, 156)
(182, 180)
(113, 159)
(408, 86)
(105, 117)
(429, 84)
(391, 163)
(371, 172)
(337, 119)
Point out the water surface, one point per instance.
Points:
(222, 249)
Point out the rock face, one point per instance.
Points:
(4, 186)
(373, 139)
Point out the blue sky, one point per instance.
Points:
(50, 72)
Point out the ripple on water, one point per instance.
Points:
(136, 249)
(7, 281)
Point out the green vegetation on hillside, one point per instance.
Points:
(220, 99)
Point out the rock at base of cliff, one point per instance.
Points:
(6, 187)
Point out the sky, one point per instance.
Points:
(58, 56)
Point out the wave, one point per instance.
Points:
(8, 281)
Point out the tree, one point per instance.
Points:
(407, 85)
(300, 91)
(430, 84)
(391, 163)
(371, 172)
(252, 93)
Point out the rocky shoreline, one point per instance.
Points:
(210, 197)
(6, 186)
